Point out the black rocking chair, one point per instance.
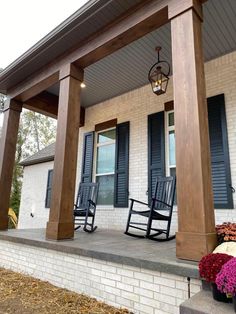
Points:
(85, 207)
(161, 209)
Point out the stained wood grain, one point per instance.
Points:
(194, 186)
(47, 104)
(7, 157)
(61, 222)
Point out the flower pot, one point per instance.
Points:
(219, 296)
(234, 303)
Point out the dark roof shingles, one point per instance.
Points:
(46, 154)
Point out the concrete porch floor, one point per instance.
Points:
(113, 246)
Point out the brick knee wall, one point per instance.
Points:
(140, 290)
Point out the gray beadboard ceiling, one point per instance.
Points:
(127, 68)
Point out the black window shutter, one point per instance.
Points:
(220, 164)
(87, 163)
(122, 166)
(156, 150)
(49, 189)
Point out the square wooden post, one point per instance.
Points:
(7, 156)
(196, 233)
(61, 223)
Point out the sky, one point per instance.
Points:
(24, 22)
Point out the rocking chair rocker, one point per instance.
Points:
(85, 207)
(161, 209)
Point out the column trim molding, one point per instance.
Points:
(174, 10)
(12, 104)
(72, 71)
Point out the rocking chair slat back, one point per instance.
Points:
(87, 191)
(163, 197)
(85, 207)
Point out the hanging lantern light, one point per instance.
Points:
(159, 77)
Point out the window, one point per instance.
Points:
(170, 141)
(105, 165)
(49, 188)
(106, 160)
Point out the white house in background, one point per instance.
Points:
(144, 123)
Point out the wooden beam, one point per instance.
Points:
(118, 35)
(61, 220)
(196, 232)
(130, 26)
(47, 103)
(7, 157)
(44, 103)
(35, 85)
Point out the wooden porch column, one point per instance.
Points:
(196, 233)
(7, 156)
(61, 224)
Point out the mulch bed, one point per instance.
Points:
(21, 294)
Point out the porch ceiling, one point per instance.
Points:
(127, 68)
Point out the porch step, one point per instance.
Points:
(203, 303)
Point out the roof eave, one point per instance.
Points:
(47, 40)
(36, 161)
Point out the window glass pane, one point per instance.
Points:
(172, 148)
(106, 190)
(106, 136)
(105, 159)
(171, 119)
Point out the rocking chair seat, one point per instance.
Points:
(158, 216)
(82, 213)
(161, 208)
(155, 215)
(144, 213)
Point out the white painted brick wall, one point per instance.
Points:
(33, 196)
(142, 291)
(135, 106)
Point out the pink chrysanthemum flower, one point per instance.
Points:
(226, 278)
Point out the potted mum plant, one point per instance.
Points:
(209, 266)
(226, 279)
(226, 232)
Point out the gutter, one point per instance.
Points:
(77, 18)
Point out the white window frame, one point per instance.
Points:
(167, 130)
(95, 175)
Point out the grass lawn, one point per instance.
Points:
(21, 294)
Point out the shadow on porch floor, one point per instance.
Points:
(113, 246)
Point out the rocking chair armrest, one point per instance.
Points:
(134, 200)
(91, 203)
(156, 199)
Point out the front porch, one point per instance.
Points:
(60, 77)
(139, 274)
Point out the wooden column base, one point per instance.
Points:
(192, 246)
(4, 223)
(60, 230)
